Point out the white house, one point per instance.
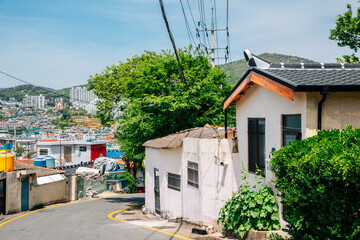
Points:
(71, 151)
(275, 105)
(279, 103)
(191, 174)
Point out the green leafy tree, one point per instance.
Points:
(155, 100)
(347, 33)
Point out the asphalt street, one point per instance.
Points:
(85, 220)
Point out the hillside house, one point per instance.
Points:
(29, 186)
(279, 103)
(191, 173)
(275, 105)
(71, 151)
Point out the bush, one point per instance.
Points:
(250, 208)
(319, 181)
(131, 179)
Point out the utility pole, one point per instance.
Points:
(212, 39)
(15, 142)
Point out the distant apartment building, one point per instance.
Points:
(81, 98)
(34, 101)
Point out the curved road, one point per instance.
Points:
(86, 220)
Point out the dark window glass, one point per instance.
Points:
(291, 128)
(174, 181)
(82, 149)
(43, 152)
(193, 174)
(256, 140)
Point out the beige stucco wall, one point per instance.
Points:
(259, 102)
(48, 193)
(13, 193)
(339, 110)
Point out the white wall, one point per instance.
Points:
(165, 161)
(48, 193)
(54, 151)
(216, 183)
(259, 102)
(83, 157)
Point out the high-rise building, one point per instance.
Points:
(81, 98)
(34, 101)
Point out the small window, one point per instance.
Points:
(43, 151)
(174, 181)
(193, 174)
(82, 149)
(291, 128)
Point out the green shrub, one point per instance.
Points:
(319, 181)
(276, 236)
(250, 208)
(131, 179)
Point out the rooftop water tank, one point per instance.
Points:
(40, 162)
(6, 162)
(50, 161)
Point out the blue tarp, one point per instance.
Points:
(114, 154)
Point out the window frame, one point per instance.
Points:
(42, 149)
(257, 135)
(284, 131)
(195, 171)
(176, 177)
(81, 147)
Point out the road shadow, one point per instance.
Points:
(130, 200)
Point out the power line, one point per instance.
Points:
(171, 39)
(42, 87)
(187, 25)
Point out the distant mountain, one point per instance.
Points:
(239, 67)
(20, 91)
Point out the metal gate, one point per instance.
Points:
(157, 190)
(25, 194)
(2, 196)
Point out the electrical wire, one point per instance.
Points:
(171, 39)
(187, 25)
(217, 38)
(42, 87)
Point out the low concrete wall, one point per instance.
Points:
(13, 193)
(84, 183)
(48, 193)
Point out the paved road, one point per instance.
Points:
(87, 220)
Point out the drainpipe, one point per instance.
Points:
(325, 92)
(226, 123)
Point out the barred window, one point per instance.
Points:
(193, 174)
(174, 181)
(43, 152)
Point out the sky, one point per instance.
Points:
(60, 44)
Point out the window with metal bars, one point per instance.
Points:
(174, 181)
(193, 174)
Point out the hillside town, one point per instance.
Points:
(175, 139)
